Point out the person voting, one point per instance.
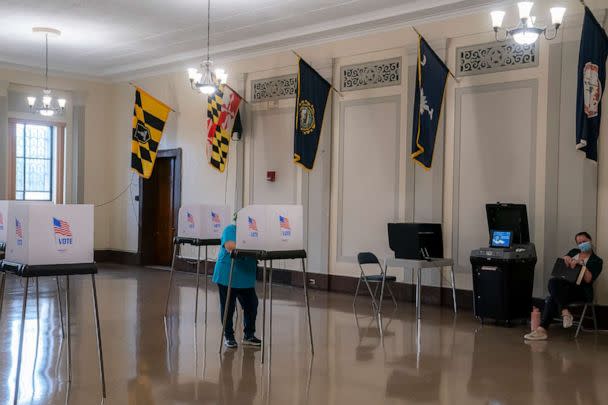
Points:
(243, 289)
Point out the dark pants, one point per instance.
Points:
(249, 302)
(562, 293)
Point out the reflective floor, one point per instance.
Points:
(446, 360)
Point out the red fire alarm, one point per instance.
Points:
(271, 176)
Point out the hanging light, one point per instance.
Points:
(526, 33)
(205, 80)
(47, 107)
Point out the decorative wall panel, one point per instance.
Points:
(371, 75)
(495, 57)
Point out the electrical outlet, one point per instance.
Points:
(312, 281)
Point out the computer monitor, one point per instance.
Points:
(501, 239)
(415, 241)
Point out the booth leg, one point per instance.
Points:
(418, 288)
(453, 290)
(263, 311)
(198, 266)
(312, 346)
(60, 309)
(18, 373)
(67, 315)
(99, 345)
(270, 314)
(37, 305)
(171, 279)
(226, 305)
(206, 281)
(2, 284)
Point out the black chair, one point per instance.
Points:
(579, 322)
(364, 258)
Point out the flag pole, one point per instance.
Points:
(136, 86)
(449, 70)
(331, 86)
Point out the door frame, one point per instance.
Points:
(177, 195)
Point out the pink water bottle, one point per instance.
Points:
(534, 319)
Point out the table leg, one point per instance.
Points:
(171, 279)
(198, 266)
(270, 314)
(206, 281)
(263, 311)
(382, 291)
(418, 285)
(2, 284)
(312, 346)
(99, 344)
(60, 309)
(18, 373)
(226, 305)
(453, 289)
(67, 314)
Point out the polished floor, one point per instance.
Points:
(446, 360)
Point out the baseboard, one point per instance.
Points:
(117, 256)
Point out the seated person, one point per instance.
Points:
(562, 292)
(243, 288)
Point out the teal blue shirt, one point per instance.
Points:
(244, 272)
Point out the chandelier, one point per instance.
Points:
(46, 107)
(204, 80)
(526, 33)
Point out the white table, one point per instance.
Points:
(418, 265)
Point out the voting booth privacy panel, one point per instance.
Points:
(41, 234)
(3, 221)
(198, 221)
(270, 228)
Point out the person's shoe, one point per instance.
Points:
(567, 320)
(252, 341)
(538, 334)
(230, 343)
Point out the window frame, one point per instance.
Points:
(57, 157)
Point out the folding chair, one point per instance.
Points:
(370, 258)
(581, 319)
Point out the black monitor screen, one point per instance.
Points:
(501, 239)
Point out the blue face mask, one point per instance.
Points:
(585, 247)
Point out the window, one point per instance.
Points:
(36, 150)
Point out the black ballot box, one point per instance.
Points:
(503, 272)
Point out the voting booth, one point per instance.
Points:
(267, 233)
(198, 225)
(3, 226)
(44, 239)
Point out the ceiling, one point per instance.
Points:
(111, 38)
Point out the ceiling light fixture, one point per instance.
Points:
(46, 107)
(526, 33)
(205, 80)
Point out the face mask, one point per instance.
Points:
(585, 247)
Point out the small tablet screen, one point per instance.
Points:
(501, 239)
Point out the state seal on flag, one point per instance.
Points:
(142, 134)
(306, 117)
(592, 89)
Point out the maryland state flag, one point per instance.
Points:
(149, 117)
(431, 76)
(313, 91)
(223, 118)
(591, 83)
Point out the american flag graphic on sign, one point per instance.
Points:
(253, 226)
(284, 221)
(1, 221)
(18, 229)
(190, 218)
(215, 218)
(61, 228)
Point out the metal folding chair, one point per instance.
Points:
(364, 258)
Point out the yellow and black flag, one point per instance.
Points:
(149, 117)
(313, 91)
(431, 76)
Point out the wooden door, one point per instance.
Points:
(159, 206)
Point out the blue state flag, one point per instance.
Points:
(313, 91)
(431, 77)
(591, 83)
